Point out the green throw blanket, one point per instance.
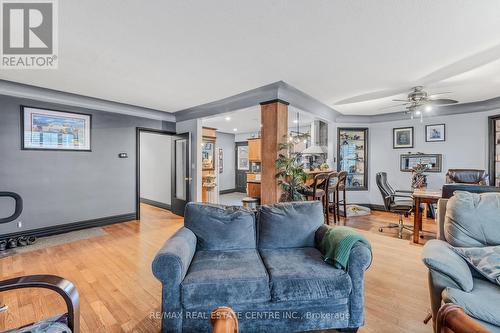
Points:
(337, 244)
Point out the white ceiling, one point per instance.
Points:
(248, 120)
(171, 55)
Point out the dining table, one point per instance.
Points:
(422, 196)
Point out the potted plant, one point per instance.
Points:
(290, 170)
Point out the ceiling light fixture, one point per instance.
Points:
(227, 118)
(428, 108)
(235, 130)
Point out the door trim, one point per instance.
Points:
(138, 131)
(187, 176)
(491, 147)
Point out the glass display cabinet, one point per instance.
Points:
(352, 157)
(494, 171)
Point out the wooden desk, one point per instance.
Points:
(420, 197)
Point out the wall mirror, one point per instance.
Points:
(408, 161)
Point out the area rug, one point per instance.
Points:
(355, 210)
(49, 241)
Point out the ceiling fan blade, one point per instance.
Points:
(392, 106)
(442, 101)
(372, 95)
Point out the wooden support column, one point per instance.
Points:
(274, 120)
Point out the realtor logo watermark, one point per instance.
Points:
(29, 34)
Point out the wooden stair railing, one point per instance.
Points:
(451, 318)
(224, 320)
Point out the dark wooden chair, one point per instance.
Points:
(61, 286)
(451, 318)
(331, 195)
(340, 188)
(319, 189)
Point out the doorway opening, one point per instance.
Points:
(154, 158)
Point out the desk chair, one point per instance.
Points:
(397, 202)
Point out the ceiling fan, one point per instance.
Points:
(419, 100)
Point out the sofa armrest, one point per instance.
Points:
(438, 256)
(360, 259)
(172, 261)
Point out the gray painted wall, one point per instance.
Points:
(156, 166)
(65, 187)
(466, 146)
(227, 177)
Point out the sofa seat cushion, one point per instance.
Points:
(217, 278)
(481, 303)
(300, 274)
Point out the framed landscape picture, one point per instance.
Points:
(402, 137)
(43, 129)
(435, 133)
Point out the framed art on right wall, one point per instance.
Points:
(435, 133)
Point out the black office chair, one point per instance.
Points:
(398, 202)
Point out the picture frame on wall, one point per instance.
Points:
(435, 133)
(46, 129)
(402, 137)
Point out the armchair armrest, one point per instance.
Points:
(406, 194)
(172, 261)
(438, 256)
(63, 287)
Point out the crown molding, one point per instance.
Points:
(14, 89)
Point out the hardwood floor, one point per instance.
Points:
(119, 293)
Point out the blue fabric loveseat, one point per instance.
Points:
(267, 267)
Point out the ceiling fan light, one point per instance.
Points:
(428, 108)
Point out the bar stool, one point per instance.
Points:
(319, 189)
(331, 193)
(340, 187)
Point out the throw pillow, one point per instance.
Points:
(486, 260)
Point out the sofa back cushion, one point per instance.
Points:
(473, 219)
(221, 228)
(289, 225)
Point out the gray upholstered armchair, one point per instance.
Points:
(467, 176)
(464, 220)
